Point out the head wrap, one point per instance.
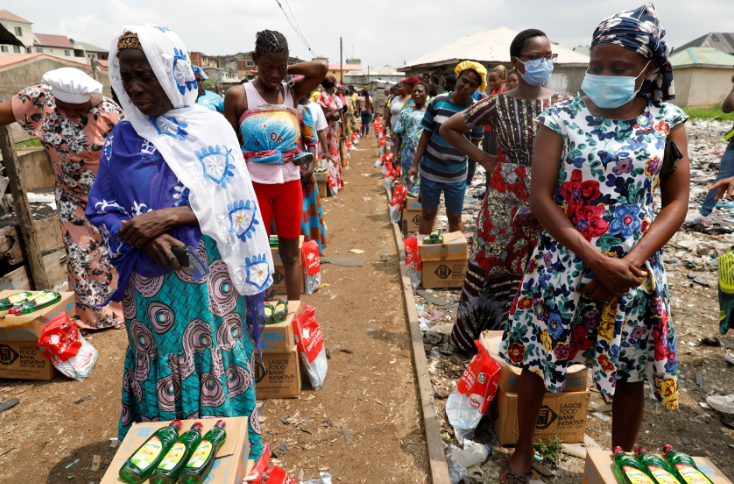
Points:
(315, 96)
(412, 81)
(328, 82)
(202, 150)
(475, 66)
(640, 31)
(71, 85)
(200, 72)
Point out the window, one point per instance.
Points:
(51, 50)
(4, 48)
(39, 50)
(18, 31)
(249, 63)
(67, 53)
(16, 49)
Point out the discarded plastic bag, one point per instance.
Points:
(413, 261)
(260, 467)
(456, 471)
(311, 266)
(726, 292)
(469, 401)
(311, 349)
(324, 478)
(398, 201)
(67, 349)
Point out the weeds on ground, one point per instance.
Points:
(714, 112)
(551, 450)
(31, 143)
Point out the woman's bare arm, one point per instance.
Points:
(453, 131)
(313, 73)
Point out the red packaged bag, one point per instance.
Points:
(260, 467)
(278, 476)
(311, 263)
(66, 348)
(398, 200)
(310, 343)
(413, 261)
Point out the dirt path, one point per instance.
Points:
(370, 386)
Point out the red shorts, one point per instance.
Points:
(284, 203)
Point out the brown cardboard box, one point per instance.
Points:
(279, 271)
(19, 356)
(322, 180)
(283, 378)
(509, 376)
(444, 265)
(279, 338)
(562, 413)
(228, 468)
(412, 212)
(600, 468)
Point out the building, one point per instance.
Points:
(384, 73)
(202, 60)
(492, 48)
(723, 41)
(338, 71)
(58, 45)
(702, 76)
(92, 51)
(21, 29)
(219, 74)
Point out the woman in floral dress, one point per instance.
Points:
(328, 102)
(73, 136)
(408, 129)
(595, 290)
(503, 240)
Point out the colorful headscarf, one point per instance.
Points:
(200, 72)
(640, 31)
(475, 66)
(412, 81)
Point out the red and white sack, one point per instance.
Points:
(390, 175)
(311, 349)
(333, 187)
(311, 263)
(398, 201)
(470, 400)
(276, 475)
(413, 261)
(260, 467)
(67, 349)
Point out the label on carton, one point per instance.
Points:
(201, 455)
(662, 476)
(691, 475)
(173, 457)
(635, 476)
(144, 457)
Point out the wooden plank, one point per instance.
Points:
(48, 231)
(55, 263)
(39, 280)
(37, 169)
(18, 134)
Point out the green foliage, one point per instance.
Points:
(551, 450)
(208, 84)
(31, 143)
(709, 113)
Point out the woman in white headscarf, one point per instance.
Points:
(171, 177)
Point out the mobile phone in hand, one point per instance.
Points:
(182, 254)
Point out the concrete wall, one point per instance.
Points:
(701, 86)
(16, 77)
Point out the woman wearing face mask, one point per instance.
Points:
(595, 290)
(505, 236)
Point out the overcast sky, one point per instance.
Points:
(379, 32)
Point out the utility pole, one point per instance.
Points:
(341, 62)
(368, 74)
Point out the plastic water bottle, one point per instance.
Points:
(456, 470)
(472, 454)
(463, 416)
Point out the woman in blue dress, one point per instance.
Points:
(173, 176)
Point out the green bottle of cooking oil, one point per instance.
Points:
(144, 460)
(172, 465)
(628, 470)
(683, 467)
(203, 457)
(656, 466)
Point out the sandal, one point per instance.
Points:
(523, 477)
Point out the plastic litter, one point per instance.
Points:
(67, 349)
(324, 478)
(311, 266)
(310, 342)
(413, 261)
(456, 470)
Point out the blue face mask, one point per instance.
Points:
(609, 92)
(537, 74)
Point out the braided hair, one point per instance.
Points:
(519, 41)
(270, 41)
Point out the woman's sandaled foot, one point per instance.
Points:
(509, 476)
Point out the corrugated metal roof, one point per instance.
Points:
(488, 46)
(701, 56)
(723, 41)
(11, 17)
(92, 48)
(50, 40)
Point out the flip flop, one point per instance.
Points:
(8, 404)
(523, 477)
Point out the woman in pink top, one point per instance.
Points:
(277, 184)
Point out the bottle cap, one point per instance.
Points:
(176, 423)
(668, 448)
(618, 450)
(221, 423)
(197, 426)
(640, 450)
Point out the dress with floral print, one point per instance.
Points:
(609, 170)
(410, 129)
(74, 146)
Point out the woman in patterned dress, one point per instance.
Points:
(73, 134)
(328, 102)
(595, 290)
(503, 240)
(408, 129)
(173, 175)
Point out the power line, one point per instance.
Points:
(294, 24)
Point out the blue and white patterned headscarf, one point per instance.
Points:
(200, 72)
(639, 30)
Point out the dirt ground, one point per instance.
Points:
(370, 387)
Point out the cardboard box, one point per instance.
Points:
(283, 377)
(562, 413)
(412, 214)
(322, 180)
(600, 468)
(444, 265)
(279, 271)
(509, 376)
(279, 338)
(228, 468)
(20, 358)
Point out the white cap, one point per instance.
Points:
(71, 85)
